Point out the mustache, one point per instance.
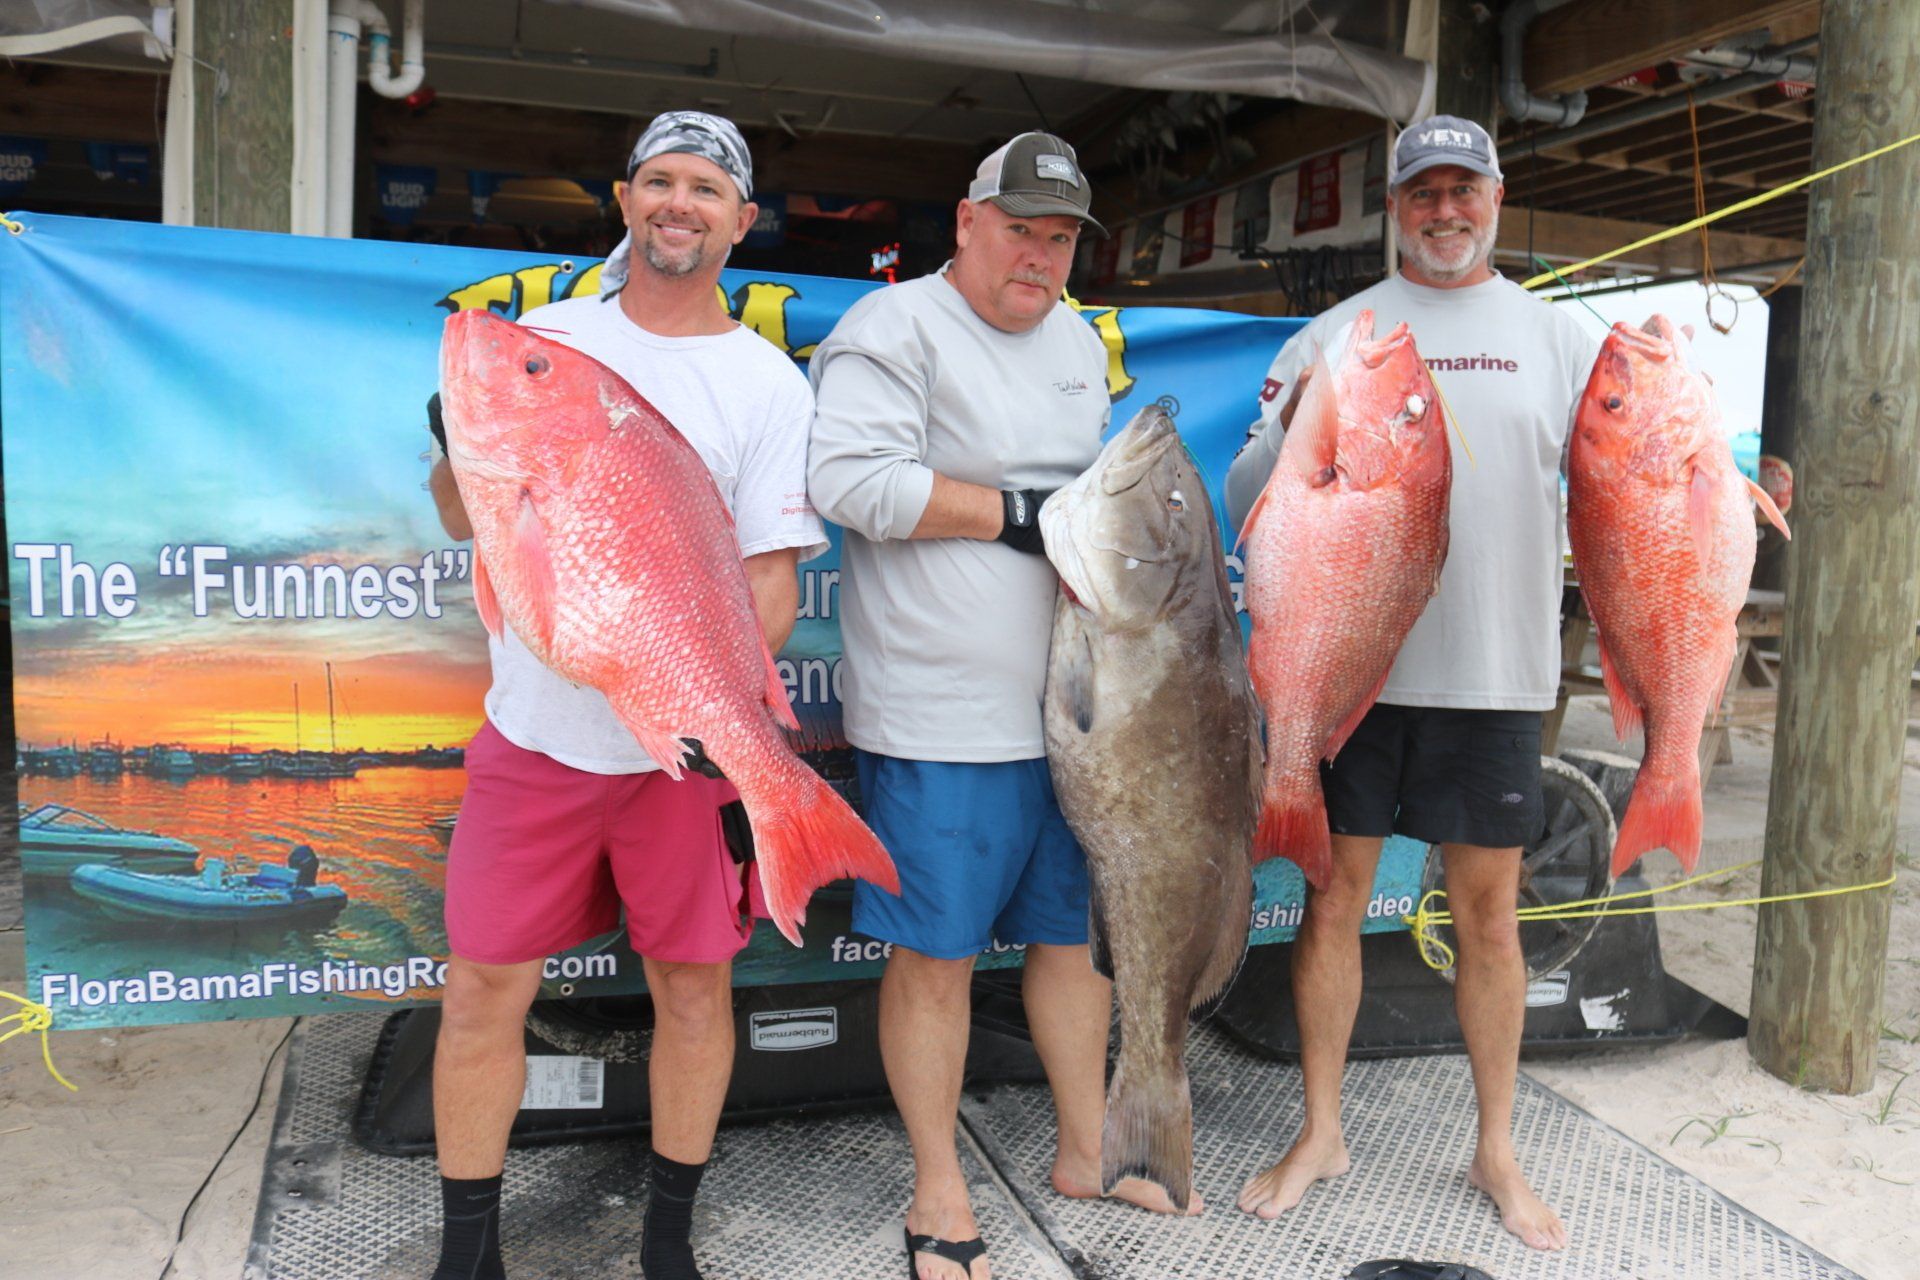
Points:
(1032, 277)
(1454, 224)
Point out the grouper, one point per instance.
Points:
(1153, 742)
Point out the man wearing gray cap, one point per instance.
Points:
(948, 408)
(565, 819)
(1450, 753)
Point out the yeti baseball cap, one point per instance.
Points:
(1443, 140)
(1033, 176)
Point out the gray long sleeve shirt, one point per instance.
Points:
(946, 639)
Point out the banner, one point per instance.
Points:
(121, 162)
(403, 190)
(20, 160)
(245, 653)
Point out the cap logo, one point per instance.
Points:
(1056, 167)
(1447, 138)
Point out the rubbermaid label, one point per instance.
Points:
(1549, 989)
(785, 1030)
(557, 1082)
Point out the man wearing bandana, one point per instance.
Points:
(565, 818)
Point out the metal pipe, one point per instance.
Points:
(1520, 102)
(1639, 113)
(343, 56)
(1656, 108)
(1781, 61)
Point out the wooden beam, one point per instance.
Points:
(42, 101)
(1468, 63)
(1820, 965)
(1593, 42)
(1573, 237)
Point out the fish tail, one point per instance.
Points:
(1148, 1132)
(1293, 825)
(1665, 812)
(805, 836)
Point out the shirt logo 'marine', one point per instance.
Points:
(1470, 364)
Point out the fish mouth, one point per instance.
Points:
(1653, 342)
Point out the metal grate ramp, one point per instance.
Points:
(821, 1199)
(1410, 1129)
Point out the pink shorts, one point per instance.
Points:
(544, 855)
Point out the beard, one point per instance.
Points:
(686, 262)
(1442, 265)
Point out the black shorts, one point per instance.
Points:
(1440, 775)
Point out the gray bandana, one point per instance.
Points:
(697, 133)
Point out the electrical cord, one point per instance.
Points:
(260, 1092)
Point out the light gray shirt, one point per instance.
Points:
(1511, 368)
(946, 639)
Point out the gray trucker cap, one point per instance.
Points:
(1034, 175)
(1443, 140)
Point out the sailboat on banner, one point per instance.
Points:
(315, 764)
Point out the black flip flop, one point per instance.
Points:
(962, 1252)
(1404, 1269)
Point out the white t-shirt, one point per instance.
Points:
(946, 638)
(1512, 369)
(745, 409)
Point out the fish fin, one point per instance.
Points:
(483, 597)
(530, 544)
(1664, 812)
(804, 836)
(1625, 707)
(1097, 949)
(666, 750)
(1768, 509)
(776, 695)
(1294, 826)
(1700, 512)
(1313, 439)
(1076, 682)
(1253, 514)
(1229, 945)
(1148, 1131)
(1354, 717)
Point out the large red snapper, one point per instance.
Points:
(1345, 548)
(1661, 523)
(605, 545)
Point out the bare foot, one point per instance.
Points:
(1270, 1194)
(1521, 1212)
(1081, 1181)
(947, 1217)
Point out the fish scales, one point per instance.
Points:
(1152, 741)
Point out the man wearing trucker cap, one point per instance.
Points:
(1450, 754)
(947, 409)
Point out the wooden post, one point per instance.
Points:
(243, 137)
(1467, 67)
(1820, 965)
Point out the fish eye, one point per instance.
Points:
(537, 365)
(1614, 403)
(1415, 406)
(1176, 503)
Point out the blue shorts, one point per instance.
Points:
(984, 855)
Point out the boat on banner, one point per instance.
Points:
(55, 839)
(271, 894)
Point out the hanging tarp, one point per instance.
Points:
(1340, 53)
(239, 630)
(31, 28)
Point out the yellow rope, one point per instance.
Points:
(1439, 956)
(15, 227)
(1452, 417)
(33, 1017)
(1741, 206)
